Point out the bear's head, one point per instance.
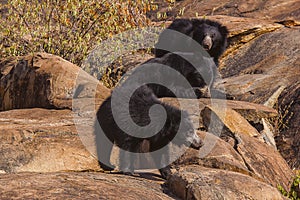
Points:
(211, 35)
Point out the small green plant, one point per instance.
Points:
(294, 193)
(285, 115)
(282, 120)
(172, 10)
(113, 74)
(68, 28)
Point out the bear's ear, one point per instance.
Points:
(184, 26)
(197, 22)
(223, 30)
(178, 23)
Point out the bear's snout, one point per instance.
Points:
(207, 43)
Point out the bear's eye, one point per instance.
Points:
(213, 35)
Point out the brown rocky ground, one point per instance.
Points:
(278, 10)
(47, 149)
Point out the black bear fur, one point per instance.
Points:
(188, 62)
(211, 35)
(139, 104)
(197, 70)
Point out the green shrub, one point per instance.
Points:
(67, 28)
(294, 192)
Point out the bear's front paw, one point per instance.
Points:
(165, 172)
(127, 171)
(107, 167)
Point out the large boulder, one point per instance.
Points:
(45, 81)
(194, 182)
(79, 185)
(266, 71)
(46, 138)
(288, 141)
(240, 147)
(42, 140)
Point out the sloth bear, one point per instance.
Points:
(183, 71)
(179, 47)
(180, 74)
(176, 128)
(211, 35)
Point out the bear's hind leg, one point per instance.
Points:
(127, 157)
(104, 151)
(165, 172)
(104, 148)
(126, 162)
(163, 159)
